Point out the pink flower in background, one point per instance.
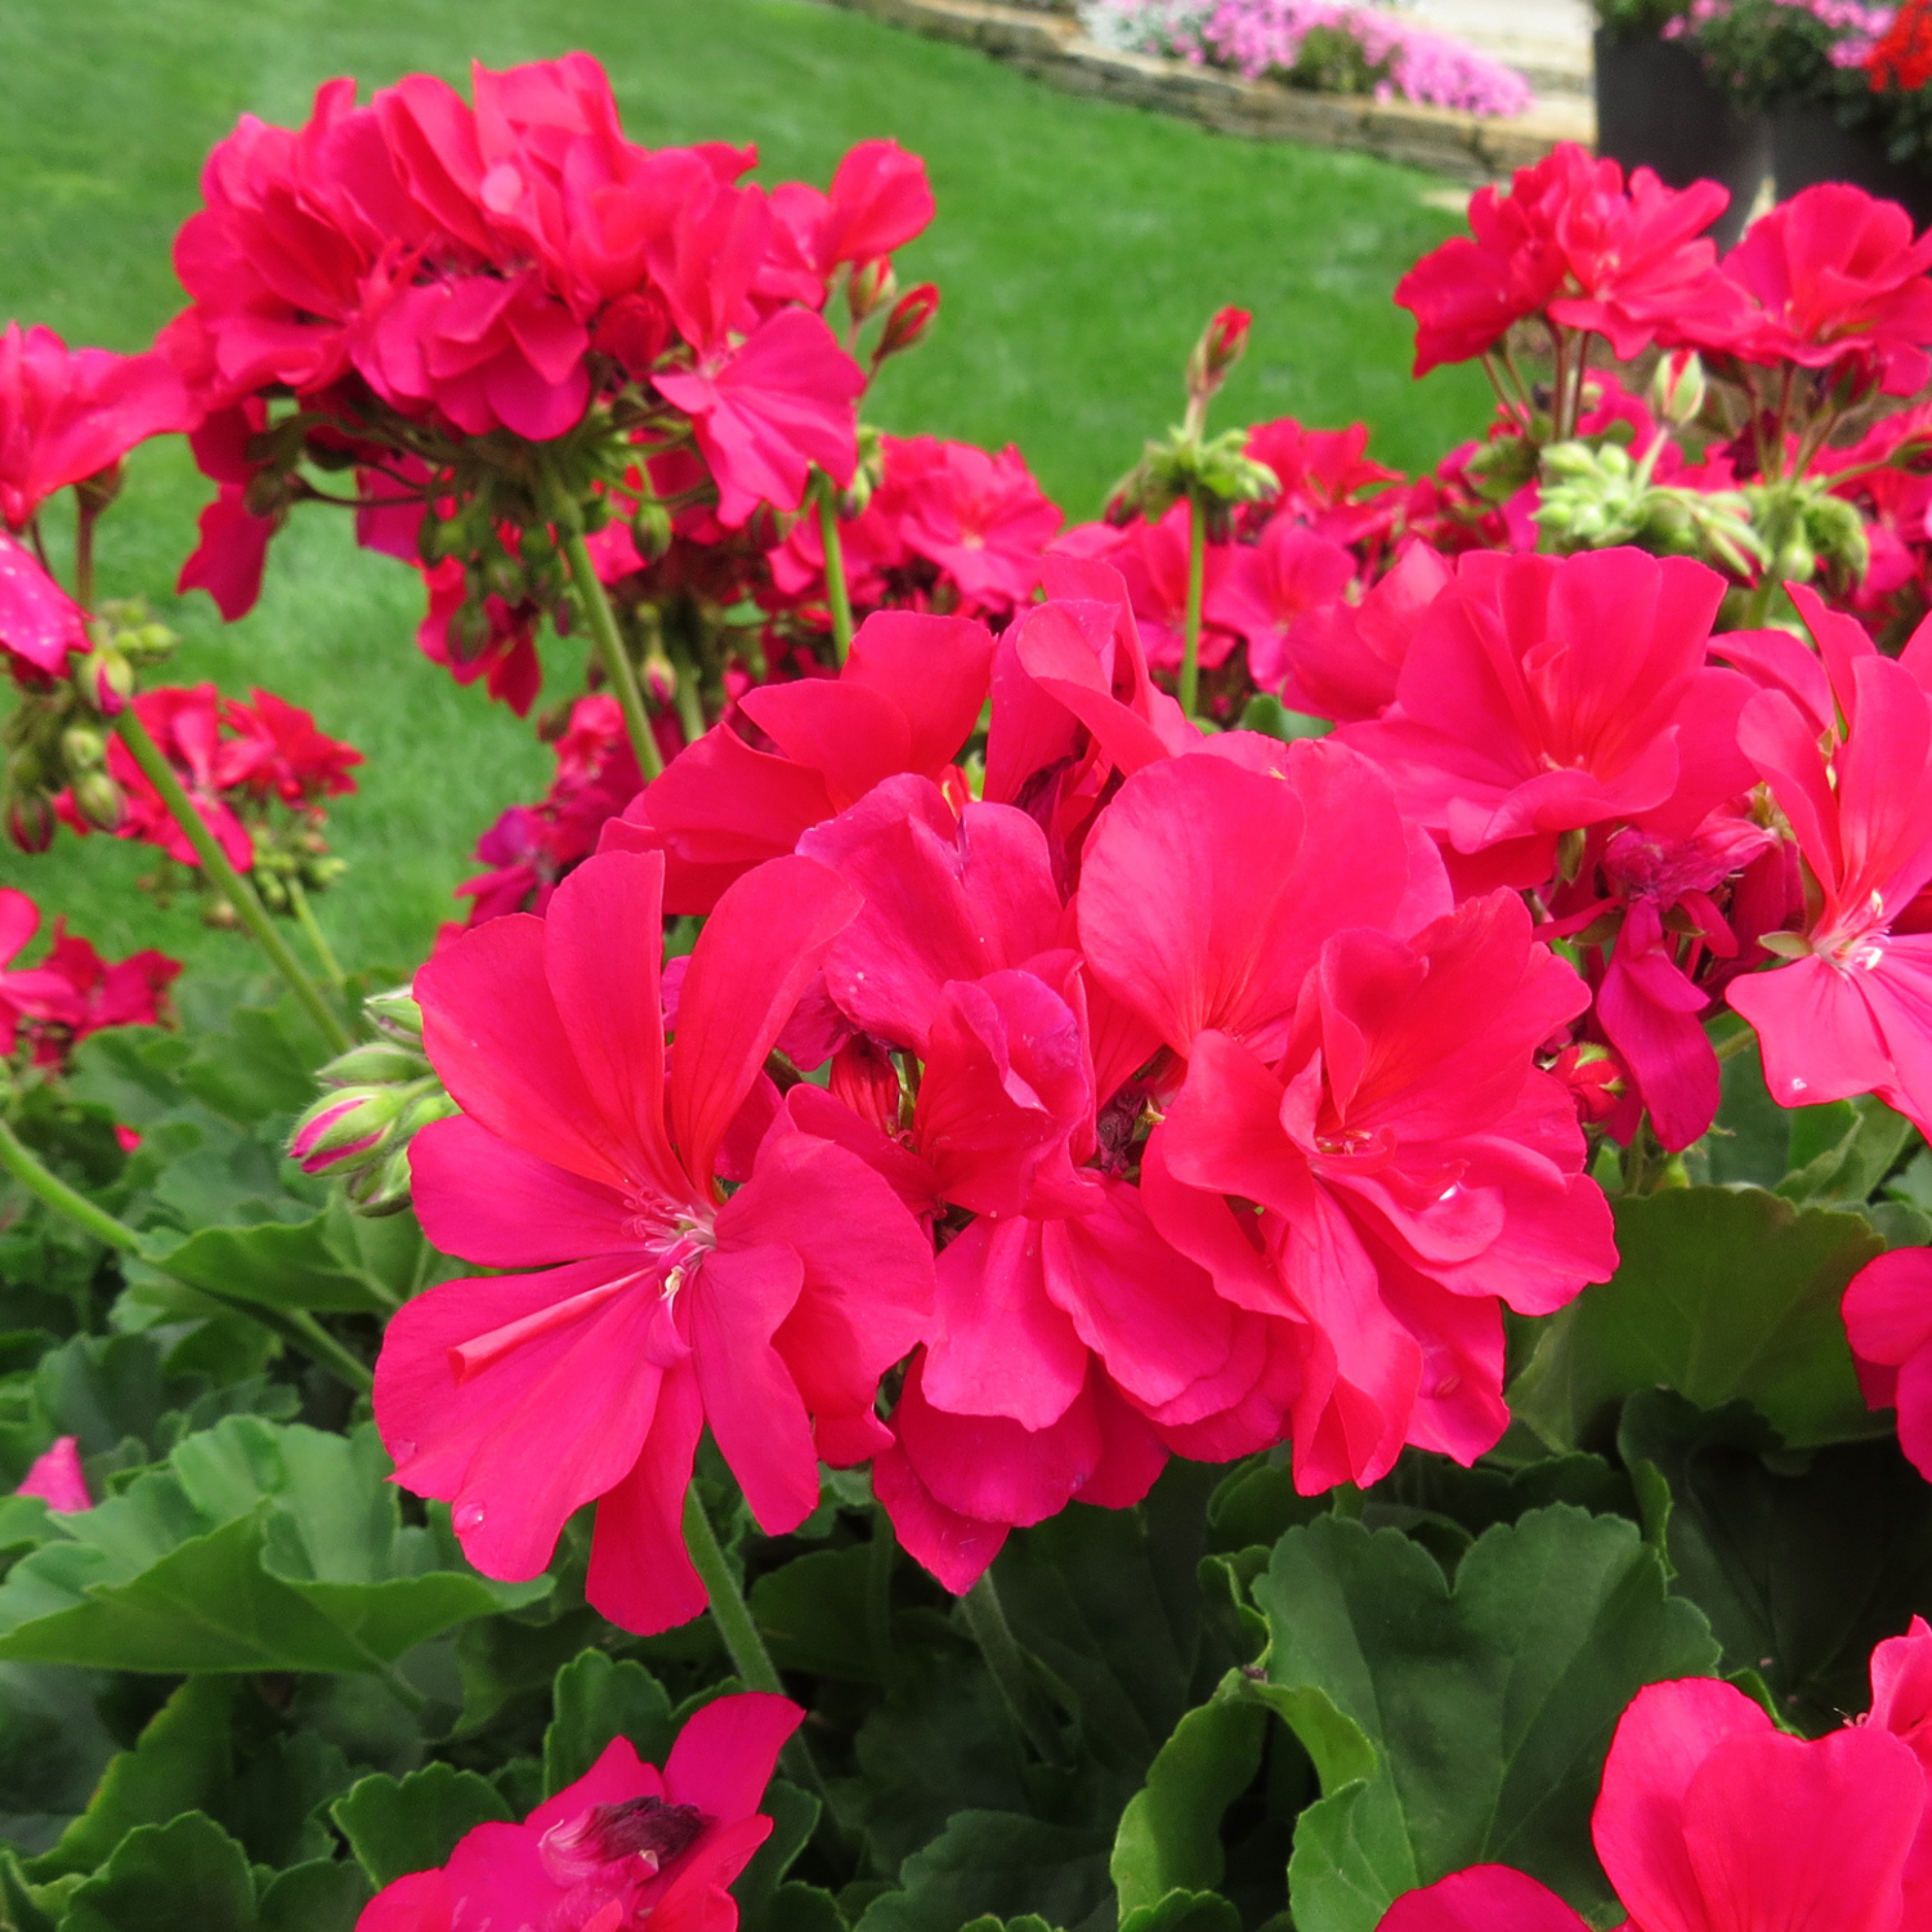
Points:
(55, 1477)
(1887, 1313)
(40, 626)
(1269, 587)
(625, 1846)
(650, 1307)
(68, 414)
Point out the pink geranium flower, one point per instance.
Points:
(68, 414)
(1268, 587)
(1711, 1819)
(56, 1478)
(40, 626)
(1541, 696)
(644, 1306)
(798, 754)
(625, 1847)
(1887, 1313)
(1341, 660)
(1846, 1015)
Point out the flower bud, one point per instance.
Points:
(913, 315)
(1222, 343)
(870, 286)
(377, 1063)
(468, 632)
(31, 823)
(396, 1014)
(105, 680)
(1677, 388)
(341, 1131)
(99, 800)
(82, 748)
(651, 529)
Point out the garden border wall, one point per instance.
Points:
(1042, 37)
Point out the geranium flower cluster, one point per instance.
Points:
(436, 282)
(257, 774)
(1902, 55)
(1163, 1097)
(47, 1009)
(1710, 1819)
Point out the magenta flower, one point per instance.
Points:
(55, 1477)
(1542, 696)
(40, 626)
(645, 1306)
(1887, 1314)
(625, 1847)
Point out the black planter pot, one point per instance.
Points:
(1656, 109)
(1808, 145)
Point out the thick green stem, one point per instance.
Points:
(305, 918)
(238, 892)
(1197, 572)
(836, 593)
(749, 1657)
(293, 1324)
(986, 1618)
(617, 667)
(1347, 1501)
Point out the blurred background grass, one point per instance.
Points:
(1079, 246)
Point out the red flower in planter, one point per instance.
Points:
(647, 1306)
(625, 1847)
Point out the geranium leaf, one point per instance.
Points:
(187, 1876)
(254, 1548)
(598, 1698)
(324, 1895)
(398, 1826)
(1485, 1708)
(997, 1863)
(1801, 1563)
(1724, 1295)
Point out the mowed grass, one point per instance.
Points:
(1079, 245)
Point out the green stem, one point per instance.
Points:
(732, 1616)
(83, 552)
(238, 892)
(1347, 1501)
(305, 918)
(879, 1588)
(617, 667)
(1197, 572)
(836, 593)
(690, 699)
(986, 1618)
(294, 1324)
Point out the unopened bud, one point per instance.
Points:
(651, 529)
(912, 316)
(1677, 388)
(265, 493)
(99, 800)
(1222, 343)
(396, 1013)
(469, 631)
(871, 285)
(105, 680)
(341, 1131)
(378, 1063)
(31, 823)
(82, 748)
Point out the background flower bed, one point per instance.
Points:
(1079, 246)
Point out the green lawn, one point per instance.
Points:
(1079, 246)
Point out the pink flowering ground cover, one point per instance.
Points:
(1214, 1219)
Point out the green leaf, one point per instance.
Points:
(54, 1748)
(1184, 1911)
(396, 1826)
(188, 1876)
(1841, 1152)
(1457, 1727)
(794, 1816)
(1724, 1295)
(324, 1895)
(812, 1612)
(1266, 713)
(596, 1700)
(181, 1762)
(254, 1548)
(992, 1862)
(1169, 1838)
(277, 1264)
(1801, 1563)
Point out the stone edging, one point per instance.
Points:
(1042, 38)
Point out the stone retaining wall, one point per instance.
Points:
(1042, 37)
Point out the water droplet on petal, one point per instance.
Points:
(1800, 1087)
(467, 1518)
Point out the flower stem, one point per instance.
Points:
(1197, 572)
(836, 592)
(238, 892)
(305, 918)
(617, 667)
(293, 1324)
(986, 1618)
(732, 1616)
(879, 1588)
